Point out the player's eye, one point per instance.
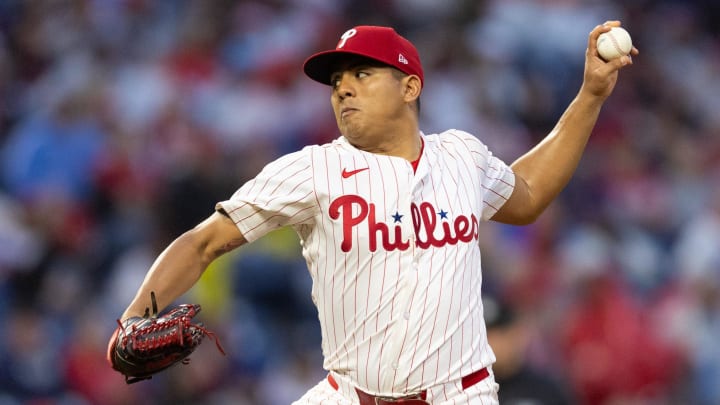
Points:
(335, 80)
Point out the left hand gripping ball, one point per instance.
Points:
(614, 43)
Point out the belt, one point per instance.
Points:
(415, 399)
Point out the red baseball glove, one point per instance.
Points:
(143, 346)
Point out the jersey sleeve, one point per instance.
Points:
(498, 185)
(281, 194)
(497, 179)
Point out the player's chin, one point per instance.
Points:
(350, 130)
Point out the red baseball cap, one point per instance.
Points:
(382, 44)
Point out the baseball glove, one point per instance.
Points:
(144, 346)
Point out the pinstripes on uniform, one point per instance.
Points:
(393, 254)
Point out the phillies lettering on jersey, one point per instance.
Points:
(464, 229)
(392, 253)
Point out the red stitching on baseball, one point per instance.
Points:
(615, 43)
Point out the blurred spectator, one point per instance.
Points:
(30, 363)
(51, 155)
(612, 351)
(693, 311)
(521, 382)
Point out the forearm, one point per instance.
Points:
(547, 168)
(182, 263)
(172, 274)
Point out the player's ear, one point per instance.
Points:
(411, 87)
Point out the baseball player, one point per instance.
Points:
(388, 219)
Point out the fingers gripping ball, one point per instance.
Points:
(614, 43)
(143, 346)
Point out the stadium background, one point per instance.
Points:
(122, 122)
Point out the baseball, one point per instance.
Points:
(614, 43)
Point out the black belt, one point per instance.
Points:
(415, 399)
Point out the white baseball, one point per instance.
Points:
(614, 43)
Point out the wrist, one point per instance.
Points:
(591, 96)
(589, 99)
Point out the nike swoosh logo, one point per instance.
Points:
(347, 173)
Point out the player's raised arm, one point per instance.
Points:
(543, 172)
(182, 263)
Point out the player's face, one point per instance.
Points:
(367, 99)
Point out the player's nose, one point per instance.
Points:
(344, 86)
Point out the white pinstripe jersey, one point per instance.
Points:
(393, 254)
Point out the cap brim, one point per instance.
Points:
(322, 65)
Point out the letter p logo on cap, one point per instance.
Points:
(347, 35)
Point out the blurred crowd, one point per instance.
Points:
(122, 122)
